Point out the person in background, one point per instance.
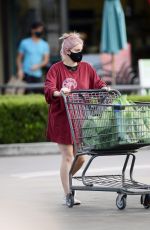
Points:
(69, 74)
(33, 55)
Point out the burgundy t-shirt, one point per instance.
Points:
(59, 76)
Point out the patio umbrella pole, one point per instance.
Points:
(113, 70)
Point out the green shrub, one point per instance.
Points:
(22, 119)
(145, 98)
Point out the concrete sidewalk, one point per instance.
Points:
(43, 148)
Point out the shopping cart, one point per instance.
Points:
(100, 127)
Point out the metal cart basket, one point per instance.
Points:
(100, 126)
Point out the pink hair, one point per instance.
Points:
(70, 40)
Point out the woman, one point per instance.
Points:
(64, 76)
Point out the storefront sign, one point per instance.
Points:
(144, 72)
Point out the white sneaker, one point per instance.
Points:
(77, 202)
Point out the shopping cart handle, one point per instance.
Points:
(114, 91)
(107, 89)
(111, 91)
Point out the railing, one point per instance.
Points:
(26, 86)
(126, 88)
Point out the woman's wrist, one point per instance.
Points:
(56, 94)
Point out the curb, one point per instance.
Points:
(33, 149)
(29, 149)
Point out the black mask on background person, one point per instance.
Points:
(38, 34)
(76, 57)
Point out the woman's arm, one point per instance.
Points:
(95, 81)
(50, 89)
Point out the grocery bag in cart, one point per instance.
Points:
(120, 123)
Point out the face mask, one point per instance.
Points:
(76, 57)
(38, 34)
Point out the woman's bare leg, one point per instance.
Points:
(80, 161)
(67, 158)
(67, 153)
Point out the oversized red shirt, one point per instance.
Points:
(59, 76)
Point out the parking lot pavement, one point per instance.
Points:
(31, 197)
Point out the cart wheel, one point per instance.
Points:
(145, 200)
(70, 200)
(121, 201)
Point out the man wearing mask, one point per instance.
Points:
(33, 55)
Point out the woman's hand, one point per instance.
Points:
(66, 91)
(56, 94)
(107, 88)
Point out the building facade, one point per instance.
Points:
(16, 17)
(60, 16)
